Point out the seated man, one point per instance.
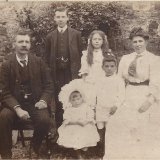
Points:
(27, 90)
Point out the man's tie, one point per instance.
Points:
(133, 66)
(61, 31)
(24, 63)
(24, 70)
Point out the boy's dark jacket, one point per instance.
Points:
(75, 51)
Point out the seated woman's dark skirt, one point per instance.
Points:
(139, 84)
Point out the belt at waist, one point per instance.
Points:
(139, 84)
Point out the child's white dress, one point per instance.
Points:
(77, 136)
(95, 70)
(110, 92)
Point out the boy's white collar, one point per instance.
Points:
(64, 28)
(111, 75)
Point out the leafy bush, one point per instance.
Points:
(84, 16)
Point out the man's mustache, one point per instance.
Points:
(25, 49)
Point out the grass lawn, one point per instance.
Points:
(20, 152)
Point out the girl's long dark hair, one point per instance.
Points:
(105, 46)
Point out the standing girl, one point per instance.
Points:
(91, 61)
(91, 68)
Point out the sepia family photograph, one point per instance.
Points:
(80, 80)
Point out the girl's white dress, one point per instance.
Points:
(77, 136)
(95, 70)
(131, 135)
(110, 92)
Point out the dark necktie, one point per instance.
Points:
(24, 75)
(61, 31)
(132, 70)
(24, 63)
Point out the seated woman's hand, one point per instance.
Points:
(144, 107)
(84, 76)
(113, 110)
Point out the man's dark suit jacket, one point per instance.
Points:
(75, 49)
(40, 80)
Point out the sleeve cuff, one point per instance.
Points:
(43, 101)
(15, 107)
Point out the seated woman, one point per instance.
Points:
(134, 131)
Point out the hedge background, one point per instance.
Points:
(116, 19)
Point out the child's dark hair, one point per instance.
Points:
(105, 46)
(109, 57)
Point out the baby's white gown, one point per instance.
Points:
(77, 136)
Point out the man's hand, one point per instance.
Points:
(144, 107)
(41, 105)
(22, 114)
(113, 110)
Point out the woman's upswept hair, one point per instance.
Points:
(105, 46)
(138, 31)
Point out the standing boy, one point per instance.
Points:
(110, 95)
(63, 55)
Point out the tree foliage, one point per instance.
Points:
(84, 16)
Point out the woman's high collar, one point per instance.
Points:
(142, 53)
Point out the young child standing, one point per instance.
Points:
(78, 130)
(110, 95)
(91, 60)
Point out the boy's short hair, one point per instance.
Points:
(61, 9)
(109, 57)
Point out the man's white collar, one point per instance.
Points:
(64, 28)
(19, 60)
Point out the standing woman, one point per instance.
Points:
(133, 132)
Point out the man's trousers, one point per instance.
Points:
(8, 118)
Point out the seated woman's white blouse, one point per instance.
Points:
(95, 70)
(148, 68)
